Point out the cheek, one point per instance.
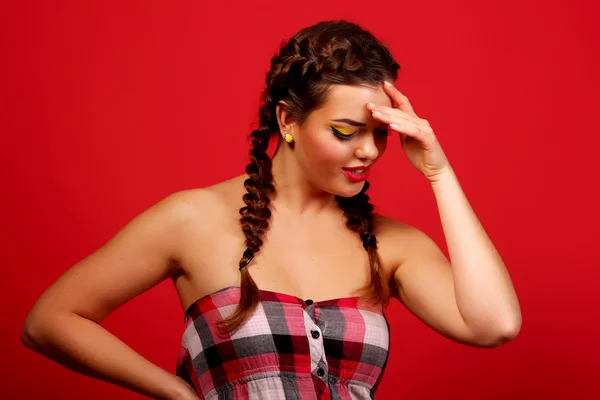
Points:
(326, 151)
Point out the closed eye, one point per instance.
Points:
(342, 133)
(346, 134)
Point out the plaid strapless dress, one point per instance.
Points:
(289, 348)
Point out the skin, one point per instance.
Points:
(312, 170)
(193, 238)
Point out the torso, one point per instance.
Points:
(319, 259)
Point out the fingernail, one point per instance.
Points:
(371, 105)
(387, 83)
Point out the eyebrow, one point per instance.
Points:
(350, 122)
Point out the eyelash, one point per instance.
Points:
(341, 136)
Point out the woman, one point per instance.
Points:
(300, 315)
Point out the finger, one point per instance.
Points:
(401, 125)
(407, 129)
(401, 118)
(399, 98)
(391, 111)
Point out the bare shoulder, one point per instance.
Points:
(144, 252)
(390, 227)
(399, 241)
(205, 204)
(207, 220)
(228, 192)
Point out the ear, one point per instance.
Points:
(284, 118)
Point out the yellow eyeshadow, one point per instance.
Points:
(342, 130)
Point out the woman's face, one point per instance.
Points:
(340, 136)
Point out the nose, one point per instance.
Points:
(366, 148)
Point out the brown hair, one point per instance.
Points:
(327, 53)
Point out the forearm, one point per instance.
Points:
(484, 291)
(87, 348)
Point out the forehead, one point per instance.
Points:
(354, 98)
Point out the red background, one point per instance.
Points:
(107, 107)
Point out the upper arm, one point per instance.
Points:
(141, 255)
(425, 285)
(423, 281)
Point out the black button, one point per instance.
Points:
(320, 372)
(315, 334)
(309, 302)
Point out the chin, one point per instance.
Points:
(350, 189)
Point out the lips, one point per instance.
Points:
(357, 174)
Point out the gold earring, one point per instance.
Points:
(288, 138)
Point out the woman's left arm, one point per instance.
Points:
(484, 292)
(470, 299)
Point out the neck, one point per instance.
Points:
(294, 192)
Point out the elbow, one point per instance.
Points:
(501, 335)
(32, 331)
(499, 339)
(29, 332)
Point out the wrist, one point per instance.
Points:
(442, 176)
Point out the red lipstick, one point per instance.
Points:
(357, 174)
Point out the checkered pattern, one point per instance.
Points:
(288, 348)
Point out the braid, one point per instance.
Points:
(359, 218)
(301, 74)
(255, 214)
